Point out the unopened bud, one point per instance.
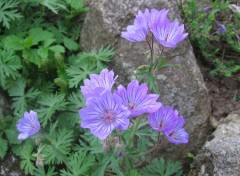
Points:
(120, 150)
(37, 141)
(105, 145)
(39, 161)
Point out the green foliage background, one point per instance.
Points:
(220, 51)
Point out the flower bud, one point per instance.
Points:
(39, 161)
(105, 146)
(120, 150)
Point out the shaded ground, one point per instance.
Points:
(224, 92)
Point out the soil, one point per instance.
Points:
(224, 92)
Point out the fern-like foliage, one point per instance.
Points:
(3, 147)
(20, 96)
(42, 172)
(59, 148)
(78, 73)
(9, 66)
(8, 12)
(27, 158)
(76, 101)
(78, 164)
(54, 5)
(50, 103)
(160, 167)
(97, 56)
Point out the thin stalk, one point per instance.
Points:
(119, 137)
(158, 59)
(152, 54)
(129, 142)
(151, 50)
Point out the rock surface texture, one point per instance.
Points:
(221, 155)
(182, 86)
(10, 166)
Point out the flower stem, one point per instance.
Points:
(119, 137)
(129, 142)
(158, 59)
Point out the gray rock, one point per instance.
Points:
(221, 155)
(183, 87)
(10, 166)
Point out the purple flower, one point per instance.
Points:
(101, 82)
(104, 114)
(177, 134)
(156, 17)
(167, 120)
(168, 34)
(137, 100)
(138, 32)
(163, 119)
(141, 19)
(28, 125)
(135, 33)
(221, 28)
(205, 9)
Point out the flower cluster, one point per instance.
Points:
(167, 33)
(28, 125)
(106, 111)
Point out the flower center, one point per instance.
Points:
(161, 125)
(108, 117)
(132, 106)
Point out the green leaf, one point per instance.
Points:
(78, 5)
(20, 97)
(58, 150)
(12, 133)
(76, 101)
(70, 44)
(40, 171)
(53, 5)
(57, 49)
(133, 173)
(100, 171)
(50, 104)
(79, 164)
(42, 52)
(14, 42)
(27, 158)
(38, 35)
(78, 73)
(3, 147)
(9, 66)
(159, 167)
(8, 12)
(31, 55)
(71, 117)
(28, 42)
(99, 57)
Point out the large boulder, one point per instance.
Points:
(221, 154)
(182, 86)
